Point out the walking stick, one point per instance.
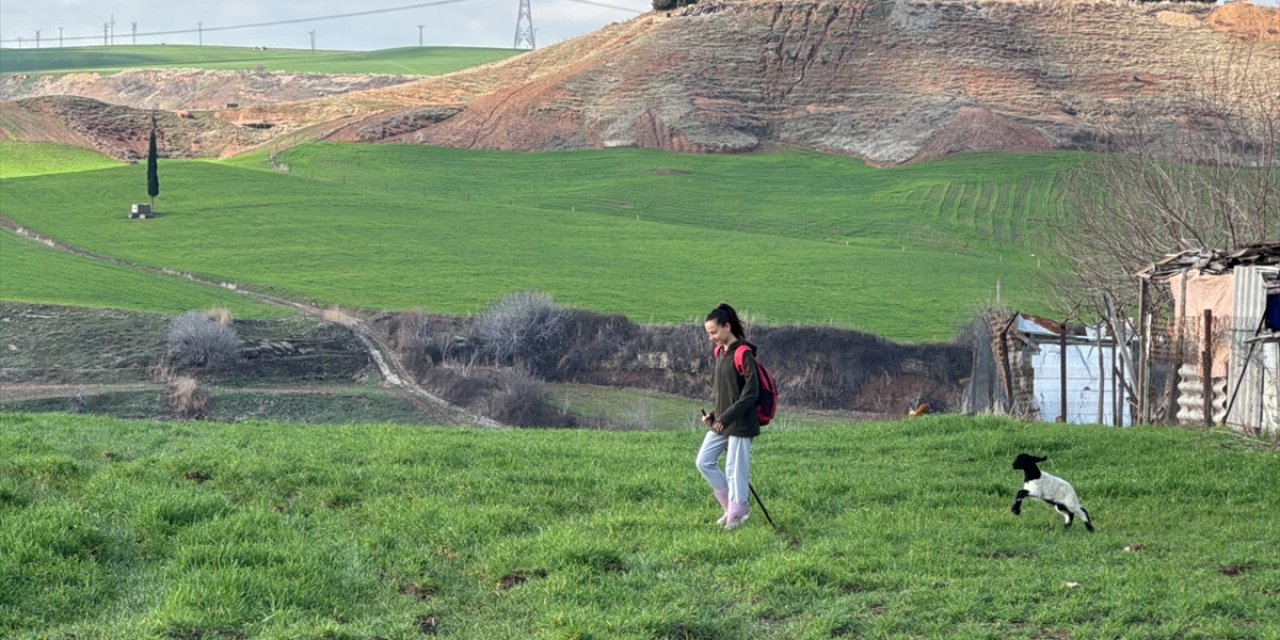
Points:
(761, 503)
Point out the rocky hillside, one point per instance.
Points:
(122, 132)
(199, 111)
(190, 89)
(891, 81)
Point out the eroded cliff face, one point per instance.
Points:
(190, 89)
(202, 113)
(891, 81)
(123, 132)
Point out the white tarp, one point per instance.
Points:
(1084, 384)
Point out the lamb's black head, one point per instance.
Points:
(1027, 462)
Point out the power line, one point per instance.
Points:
(609, 6)
(274, 23)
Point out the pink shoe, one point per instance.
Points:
(723, 498)
(735, 516)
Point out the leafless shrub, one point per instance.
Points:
(824, 366)
(641, 415)
(525, 328)
(196, 341)
(509, 396)
(410, 337)
(523, 400)
(186, 399)
(458, 386)
(423, 341)
(589, 341)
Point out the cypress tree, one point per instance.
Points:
(153, 178)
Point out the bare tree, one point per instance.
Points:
(524, 328)
(197, 341)
(1205, 179)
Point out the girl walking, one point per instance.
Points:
(733, 423)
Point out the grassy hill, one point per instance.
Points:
(119, 529)
(414, 61)
(35, 273)
(796, 237)
(35, 159)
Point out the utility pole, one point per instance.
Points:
(524, 27)
(59, 37)
(113, 28)
(420, 34)
(200, 33)
(106, 31)
(37, 38)
(134, 33)
(312, 33)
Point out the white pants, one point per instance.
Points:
(737, 465)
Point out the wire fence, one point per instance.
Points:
(1200, 370)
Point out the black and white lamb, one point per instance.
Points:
(1050, 488)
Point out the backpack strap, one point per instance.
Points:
(737, 357)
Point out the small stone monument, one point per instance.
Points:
(142, 211)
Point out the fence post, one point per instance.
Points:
(1117, 380)
(1102, 380)
(1206, 367)
(1144, 356)
(1062, 371)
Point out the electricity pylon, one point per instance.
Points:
(524, 28)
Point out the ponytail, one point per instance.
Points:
(724, 314)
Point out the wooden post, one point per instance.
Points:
(1116, 380)
(1184, 323)
(1102, 379)
(1062, 371)
(1006, 371)
(1125, 371)
(1206, 367)
(1144, 354)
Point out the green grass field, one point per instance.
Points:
(116, 529)
(34, 273)
(789, 237)
(18, 159)
(412, 61)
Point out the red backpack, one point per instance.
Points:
(767, 400)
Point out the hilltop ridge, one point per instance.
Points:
(890, 81)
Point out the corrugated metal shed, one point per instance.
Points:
(1253, 363)
(1091, 391)
(1213, 261)
(1250, 394)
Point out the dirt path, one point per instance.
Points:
(394, 374)
(10, 391)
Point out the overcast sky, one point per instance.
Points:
(475, 23)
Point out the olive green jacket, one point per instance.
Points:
(736, 395)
